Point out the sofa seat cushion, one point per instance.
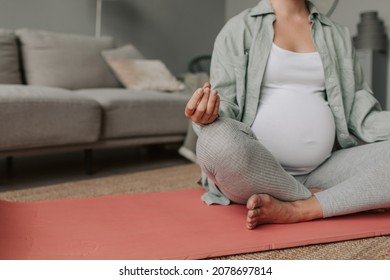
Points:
(129, 113)
(65, 60)
(36, 117)
(9, 58)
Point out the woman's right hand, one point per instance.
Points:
(203, 106)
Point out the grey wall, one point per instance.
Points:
(233, 7)
(76, 16)
(175, 30)
(171, 30)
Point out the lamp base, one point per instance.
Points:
(374, 64)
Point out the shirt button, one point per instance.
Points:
(342, 135)
(336, 108)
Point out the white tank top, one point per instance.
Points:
(294, 121)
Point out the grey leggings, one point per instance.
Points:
(354, 179)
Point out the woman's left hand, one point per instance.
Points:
(203, 106)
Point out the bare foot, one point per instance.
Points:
(265, 209)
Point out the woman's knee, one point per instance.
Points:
(221, 139)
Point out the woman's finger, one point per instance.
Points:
(201, 107)
(214, 116)
(193, 102)
(206, 85)
(210, 106)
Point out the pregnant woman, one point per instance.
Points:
(287, 124)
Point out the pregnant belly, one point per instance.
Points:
(298, 129)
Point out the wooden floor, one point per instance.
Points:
(49, 169)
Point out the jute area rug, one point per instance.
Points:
(185, 176)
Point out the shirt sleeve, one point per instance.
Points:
(368, 121)
(223, 74)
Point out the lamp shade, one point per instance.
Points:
(371, 33)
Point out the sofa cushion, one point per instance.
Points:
(65, 60)
(9, 58)
(125, 52)
(140, 74)
(140, 113)
(135, 72)
(35, 117)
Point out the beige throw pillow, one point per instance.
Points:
(141, 74)
(128, 51)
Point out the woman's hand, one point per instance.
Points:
(203, 106)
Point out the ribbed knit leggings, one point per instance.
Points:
(353, 180)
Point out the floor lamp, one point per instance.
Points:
(98, 23)
(371, 43)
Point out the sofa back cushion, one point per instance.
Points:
(65, 60)
(9, 58)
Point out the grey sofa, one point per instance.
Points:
(57, 93)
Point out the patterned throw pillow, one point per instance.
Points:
(141, 74)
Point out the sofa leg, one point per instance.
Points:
(88, 161)
(9, 167)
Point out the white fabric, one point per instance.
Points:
(294, 121)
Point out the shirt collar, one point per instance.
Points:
(264, 7)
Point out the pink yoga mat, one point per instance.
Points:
(167, 225)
